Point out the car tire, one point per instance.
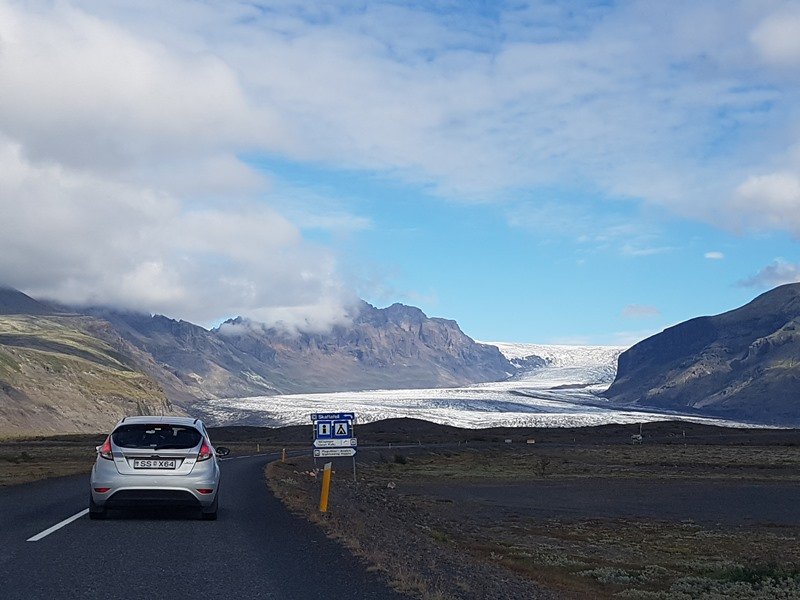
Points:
(95, 510)
(210, 513)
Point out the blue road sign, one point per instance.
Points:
(323, 429)
(341, 429)
(333, 416)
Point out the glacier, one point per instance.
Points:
(562, 391)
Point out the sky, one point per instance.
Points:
(585, 172)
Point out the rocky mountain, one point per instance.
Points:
(66, 369)
(394, 347)
(14, 302)
(205, 364)
(743, 364)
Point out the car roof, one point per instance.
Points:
(172, 420)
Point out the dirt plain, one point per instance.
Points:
(692, 512)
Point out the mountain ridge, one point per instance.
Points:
(743, 364)
(395, 347)
(179, 364)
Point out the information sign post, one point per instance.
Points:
(334, 436)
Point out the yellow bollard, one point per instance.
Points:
(326, 488)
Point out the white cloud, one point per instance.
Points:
(594, 228)
(123, 127)
(777, 273)
(777, 40)
(83, 239)
(121, 182)
(768, 202)
(626, 97)
(629, 338)
(714, 255)
(634, 250)
(638, 311)
(316, 209)
(87, 93)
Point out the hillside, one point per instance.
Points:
(743, 364)
(204, 364)
(56, 375)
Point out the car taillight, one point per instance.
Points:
(105, 450)
(205, 490)
(101, 490)
(205, 452)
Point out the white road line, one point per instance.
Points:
(57, 526)
(246, 456)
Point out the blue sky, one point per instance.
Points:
(585, 172)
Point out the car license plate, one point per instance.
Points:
(153, 463)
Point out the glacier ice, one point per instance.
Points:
(563, 393)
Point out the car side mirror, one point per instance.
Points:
(222, 451)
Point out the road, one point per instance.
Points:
(256, 549)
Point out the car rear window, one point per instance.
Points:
(156, 436)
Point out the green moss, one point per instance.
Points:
(44, 355)
(8, 364)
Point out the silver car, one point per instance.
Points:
(156, 461)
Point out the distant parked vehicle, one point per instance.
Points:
(156, 461)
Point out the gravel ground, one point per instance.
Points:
(400, 537)
(668, 521)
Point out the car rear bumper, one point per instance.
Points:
(152, 497)
(153, 490)
(131, 497)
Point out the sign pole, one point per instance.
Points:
(354, 469)
(313, 437)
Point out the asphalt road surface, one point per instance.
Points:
(256, 549)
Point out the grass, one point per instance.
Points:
(61, 335)
(9, 366)
(610, 557)
(26, 461)
(615, 556)
(54, 369)
(699, 462)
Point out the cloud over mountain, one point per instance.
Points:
(777, 273)
(121, 182)
(131, 133)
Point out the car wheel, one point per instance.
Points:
(95, 510)
(210, 513)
